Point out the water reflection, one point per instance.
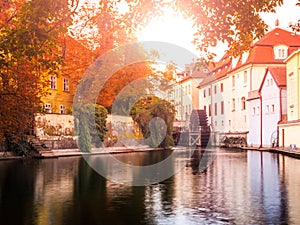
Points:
(238, 188)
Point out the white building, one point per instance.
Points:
(224, 94)
(267, 108)
(185, 95)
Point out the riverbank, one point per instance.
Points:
(115, 150)
(56, 153)
(284, 151)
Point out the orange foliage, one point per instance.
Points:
(120, 80)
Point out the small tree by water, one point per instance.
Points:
(90, 124)
(155, 117)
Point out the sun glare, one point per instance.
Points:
(171, 28)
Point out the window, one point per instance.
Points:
(257, 110)
(245, 77)
(66, 84)
(216, 123)
(209, 110)
(204, 108)
(243, 103)
(273, 108)
(222, 123)
(233, 105)
(215, 89)
(53, 82)
(267, 108)
(221, 87)
(204, 93)
(293, 87)
(62, 109)
(281, 53)
(270, 82)
(253, 111)
(233, 81)
(216, 109)
(209, 92)
(222, 107)
(47, 107)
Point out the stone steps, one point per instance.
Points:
(41, 149)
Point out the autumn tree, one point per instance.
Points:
(155, 117)
(106, 26)
(28, 55)
(29, 32)
(296, 27)
(234, 22)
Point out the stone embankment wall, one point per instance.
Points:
(56, 131)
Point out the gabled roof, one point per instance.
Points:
(279, 36)
(278, 74)
(220, 69)
(261, 52)
(197, 73)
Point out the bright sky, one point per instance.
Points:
(170, 28)
(179, 31)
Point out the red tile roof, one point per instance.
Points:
(261, 52)
(279, 75)
(279, 36)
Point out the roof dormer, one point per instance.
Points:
(280, 51)
(245, 57)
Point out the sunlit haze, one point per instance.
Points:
(171, 28)
(176, 29)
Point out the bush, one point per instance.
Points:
(21, 147)
(90, 125)
(143, 113)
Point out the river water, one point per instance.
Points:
(239, 187)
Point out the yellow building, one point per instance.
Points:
(62, 88)
(60, 97)
(289, 130)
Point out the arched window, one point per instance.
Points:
(243, 102)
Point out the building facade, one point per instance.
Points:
(289, 129)
(225, 93)
(267, 108)
(62, 87)
(184, 94)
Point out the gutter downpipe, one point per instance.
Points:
(261, 121)
(297, 63)
(251, 77)
(280, 115)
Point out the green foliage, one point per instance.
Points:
(28, 55)
(144, 113)
(21, 147)
(100, 122)
(90, 124)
